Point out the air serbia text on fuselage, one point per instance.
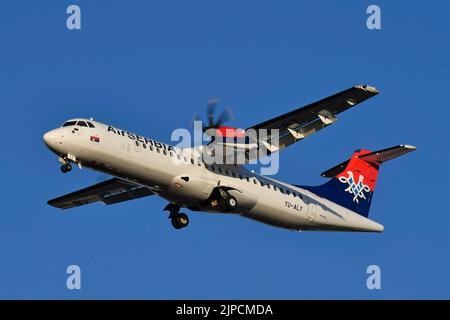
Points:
(140, 139)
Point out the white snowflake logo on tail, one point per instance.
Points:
(356, 189)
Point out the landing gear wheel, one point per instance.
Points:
(226, 200)
(180, 220)
(231, 203)
(66, 168)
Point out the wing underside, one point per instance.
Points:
(109, 192)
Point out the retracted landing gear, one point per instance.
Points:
(66, 168)
(226, 200)
(229, 203)
(179, 220)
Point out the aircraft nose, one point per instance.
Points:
(50, 138)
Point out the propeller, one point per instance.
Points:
(213, 121)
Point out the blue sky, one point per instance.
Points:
(148, 66)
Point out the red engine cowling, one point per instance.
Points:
(230, 132)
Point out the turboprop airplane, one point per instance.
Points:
(143, 167)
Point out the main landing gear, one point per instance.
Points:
(226, 201)
(66, 168)
(179, 220)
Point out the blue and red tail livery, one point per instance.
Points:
(353, 182)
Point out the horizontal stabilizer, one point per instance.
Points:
(376, 157)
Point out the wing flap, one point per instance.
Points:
(128, 195)
(331, 105)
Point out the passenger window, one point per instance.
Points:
(268, 186)
(165, 152)
(192, 161)
(144, 145)
(158, 150)
(262, 183)
(213, 168)
(254, 181)
(220, 170)
(287, 192)
(82, 124)
(234, 175)
(137, 143)
(275, 188)
(171, 154)
(241, 177)
(248, 179)
(227, 173)
(150, 147)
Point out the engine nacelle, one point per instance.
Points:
(192, 188)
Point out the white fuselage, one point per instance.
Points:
(180, 176)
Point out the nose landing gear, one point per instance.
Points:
(230, 203)
(178, 219)
(65, 162)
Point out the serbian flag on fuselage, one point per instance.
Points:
(95, 139)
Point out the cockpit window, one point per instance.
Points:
(69, 123)
(90, 125)
(82, 124)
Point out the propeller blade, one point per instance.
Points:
(210, 109)
(212, 122)
(225, 115)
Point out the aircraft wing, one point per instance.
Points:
(109, 192)
(298, 124)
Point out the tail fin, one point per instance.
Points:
(353, 181)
